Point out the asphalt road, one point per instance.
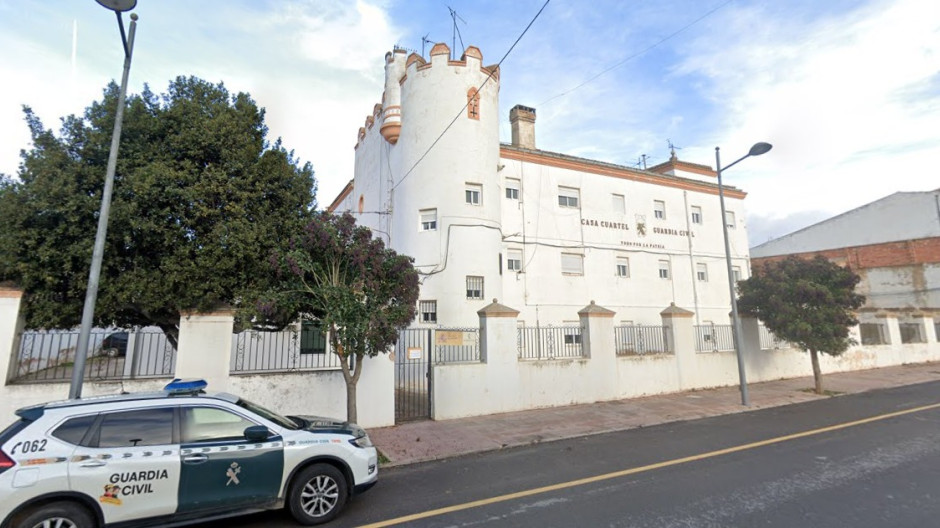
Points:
(865, 460)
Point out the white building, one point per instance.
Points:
(543, 232)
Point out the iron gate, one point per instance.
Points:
(413, 374)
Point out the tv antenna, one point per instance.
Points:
(455, 17)
(424, 40)
(672, 149)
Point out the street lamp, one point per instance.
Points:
(756, 150)
(91, 293)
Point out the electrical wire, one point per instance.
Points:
(637, 54)
(461, 111)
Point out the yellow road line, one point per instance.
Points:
(641, 469)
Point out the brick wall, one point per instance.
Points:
(889, 254)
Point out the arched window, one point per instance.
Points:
(473, 104)
(362, 202)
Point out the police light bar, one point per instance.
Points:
(186, 386)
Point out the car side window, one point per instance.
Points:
(211, 424)
(141, 427)
(74, 429)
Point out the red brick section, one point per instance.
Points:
(888, 254)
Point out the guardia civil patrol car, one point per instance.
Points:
(175, 457)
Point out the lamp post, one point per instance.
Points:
(756, 150)
(91, 293)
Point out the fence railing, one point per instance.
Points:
(768, 341)
(714, 338)
(456, 345)
(289, 350)
(49, 355)
(638, 340)
(549, 342)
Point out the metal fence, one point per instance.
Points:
(768, 341)
(714, 338)
(289, 350)
(549, 342)
(638, 340)
(49, 355)
(456, 345)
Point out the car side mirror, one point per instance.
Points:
(257, 433)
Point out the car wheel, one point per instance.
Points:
(56, 515)
(317, 495)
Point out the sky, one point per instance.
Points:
(848, 92)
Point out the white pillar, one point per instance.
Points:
(205, 347)
(498, 334)
(597, 339)
(892, 330)
(681, 335)
(11, 326)
(927, 328)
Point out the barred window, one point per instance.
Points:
(428, 311)
(312, 338)
(474, 287)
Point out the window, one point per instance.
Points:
(572, 333)
(572, 264)
(143, 427)
(623, 267)
(729, 219)
(512, 189)
(618, 204)
(568, 197)
(701, 272)
(736, 273)
(696, 214)
(312, 338)
(872, 334)
(659, 209)
(472, 194)
(74, 429)
(474, 287)
(514, 260)
(473, 104)
(911, 333)
(428, 310)
(664, 269)
(428, 219)
(211, 424)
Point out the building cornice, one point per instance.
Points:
(347, 190)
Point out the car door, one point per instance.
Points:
(221, 469)
(128, 463)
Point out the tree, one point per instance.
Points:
(200, 201)
(809, 303)
(362, 292)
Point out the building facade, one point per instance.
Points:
(892, 243)
(543, 232)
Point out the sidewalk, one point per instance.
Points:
(429, 440)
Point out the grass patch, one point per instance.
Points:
(825, 392)
(382, 458)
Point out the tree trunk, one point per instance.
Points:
(351, 401)
(817, 374)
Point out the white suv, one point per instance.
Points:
(175, 457)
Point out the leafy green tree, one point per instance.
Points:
(200, 201)
(362, 292)
(809, 303)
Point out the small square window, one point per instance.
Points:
(664, 269)
(623, 267)
(736, 273)
(428, 311)
(512, 189)
(428, 219)
(701, 272)
(474, 287)
(618, 203)
(572, 264)
(472, 194)
(659, 209)
(696, 214)
(568, 197)
(514, 260)
(729, 219)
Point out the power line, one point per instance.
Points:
(637, 54)
(461, 111)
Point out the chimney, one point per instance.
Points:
(522, 119)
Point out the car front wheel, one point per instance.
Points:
(318, 494)
(56, 515)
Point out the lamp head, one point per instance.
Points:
(756, 150)
(119, 6)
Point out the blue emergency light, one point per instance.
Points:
(186, 386)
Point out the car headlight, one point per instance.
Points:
(361, 441)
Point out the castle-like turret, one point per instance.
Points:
(391, 102)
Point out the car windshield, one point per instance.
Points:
(265, 413)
